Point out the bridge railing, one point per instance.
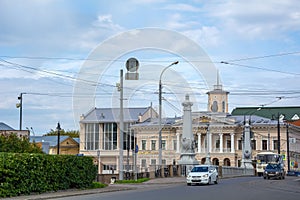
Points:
(227, 172)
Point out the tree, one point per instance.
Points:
(14, 144)
(71, 133)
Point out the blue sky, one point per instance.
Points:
(44, 45)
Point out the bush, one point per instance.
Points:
(37, 173)
(140, 180)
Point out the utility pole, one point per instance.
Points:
(278, 134)
(121, 127)
(58, 137)
(20, 105)
(288, 146)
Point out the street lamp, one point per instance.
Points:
(159, 122)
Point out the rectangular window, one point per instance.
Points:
(163, 162)
(175, 145)
(253, 144)
(264, 144)
(144, 163)
(228, 144)
(153, 144)
(163, 144)
(240, 145)
(275, 144)
(92, 136)
(144, 143)
(110, 133)
(218, 143)
(153, 161)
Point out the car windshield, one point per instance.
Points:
(272, 166)
(200, 169)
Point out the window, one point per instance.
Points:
(92, 136)
(223, 106)
(163, 162)
(153, 144)
(153, 161)
(175, 145)
(128, 135)
(275, 144)
(144, 142)
(240, 145)
(163, 144)
(218, 143)
(228, 144)
(144, 163)
(110, 136)
(253, 144)
(264, 144)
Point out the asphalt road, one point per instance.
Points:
(245, 188)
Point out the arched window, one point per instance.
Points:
(226, 162)
(215, 161)
(214, 106)
(203, 160)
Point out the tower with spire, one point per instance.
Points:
(218, 98)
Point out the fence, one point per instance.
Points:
(174, 170)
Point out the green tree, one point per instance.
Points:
(71, 133)
(14, 144)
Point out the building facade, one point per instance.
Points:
(99, 131)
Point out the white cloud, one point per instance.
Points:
(255, 19)
(182, 7)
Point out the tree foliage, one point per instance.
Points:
(71, 133)
(14, 144)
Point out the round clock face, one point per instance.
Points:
(132, 64)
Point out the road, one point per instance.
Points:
(245, 188)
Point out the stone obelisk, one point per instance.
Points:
(187, 150)
(247, 150)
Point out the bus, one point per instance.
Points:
(263, 158)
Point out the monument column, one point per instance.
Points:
(187, 150)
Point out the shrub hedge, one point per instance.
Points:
(23, 173)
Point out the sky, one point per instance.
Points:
(65, 56)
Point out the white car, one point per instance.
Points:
(202, 174)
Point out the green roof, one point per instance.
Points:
(289, 113)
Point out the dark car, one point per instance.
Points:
(274, 170)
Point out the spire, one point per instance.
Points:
(218, 86)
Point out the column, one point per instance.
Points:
(210, 141)
(178, 143)
(232, 143)
(199, 142)
(221, 142)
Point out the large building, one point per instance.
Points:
(99, 130)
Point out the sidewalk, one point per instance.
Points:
(110, 188)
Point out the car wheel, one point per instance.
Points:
(209, 181)
(268, 177)
(265, 177)
(283, 176)
(216, 181)
(189, 184)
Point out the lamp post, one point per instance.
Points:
(160, 107)
(288, 146)
(58, 137)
